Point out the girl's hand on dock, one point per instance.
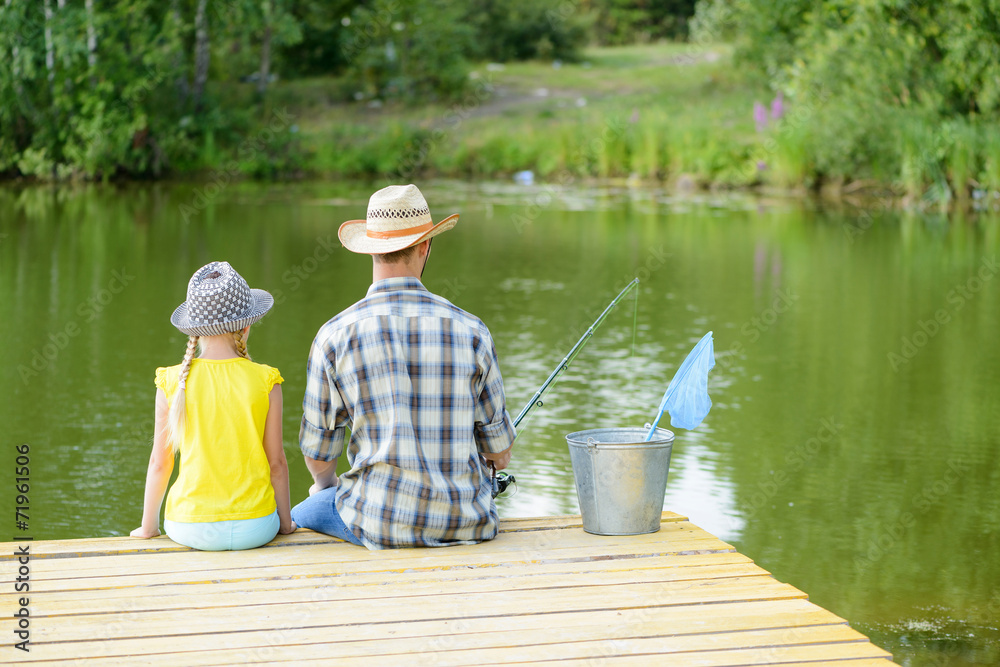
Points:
(144, 534)
(288, 531)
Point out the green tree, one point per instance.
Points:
(629, 21)
(409, 48)
(525, 29)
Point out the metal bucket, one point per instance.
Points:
(620, 480)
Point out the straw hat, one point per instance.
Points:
(219, 301)
(397, 218)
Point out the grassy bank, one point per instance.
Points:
(657, 113)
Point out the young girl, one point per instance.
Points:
(222, 413)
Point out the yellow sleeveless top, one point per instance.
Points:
(224, 473)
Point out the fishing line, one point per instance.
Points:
(634, 370)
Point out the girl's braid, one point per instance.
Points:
(241, 345)
(177, 419)
(192, 347)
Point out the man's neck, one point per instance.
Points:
(401, 270)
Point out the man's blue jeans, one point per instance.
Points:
(319, 512)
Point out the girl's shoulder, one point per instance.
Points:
(268, 374)
(166, 377)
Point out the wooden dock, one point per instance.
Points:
(543, 591)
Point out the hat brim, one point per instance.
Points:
(354, 237)
(260, 302)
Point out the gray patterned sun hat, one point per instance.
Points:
(219, 301)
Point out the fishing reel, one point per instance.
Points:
(500, 481)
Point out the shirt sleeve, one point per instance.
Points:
(324, 417)
(494, 429)
(273, 378)
(161, 379)
(166, 380)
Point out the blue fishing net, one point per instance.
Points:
(687, 398)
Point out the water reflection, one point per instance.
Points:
(698, 489)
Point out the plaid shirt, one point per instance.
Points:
(416, 380)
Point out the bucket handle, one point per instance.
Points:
(592, 451)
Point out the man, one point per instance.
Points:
(416, 380)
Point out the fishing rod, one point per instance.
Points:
(536, 399)
(500, 483)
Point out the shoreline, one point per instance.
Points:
(865, 196)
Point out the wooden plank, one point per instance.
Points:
(360, 572)
(325, 606)
(276, 591)
(849, 662)
(567, 521)
(770, 646)
(602, 647)
(128, 545)
(772, 655)
(473, 632)
(506, 541)
(505, 548)
(112, 577)
(515, 578)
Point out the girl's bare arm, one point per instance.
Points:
(161, 464)
(276, 459)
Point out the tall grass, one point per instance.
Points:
(791, 164)
(989, 176)
(961, 157)
(920, 156)
(649, 149)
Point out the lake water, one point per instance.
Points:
(853, 445)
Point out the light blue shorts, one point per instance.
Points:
(224, 535)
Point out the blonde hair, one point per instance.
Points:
(241, 345)
(177, 418)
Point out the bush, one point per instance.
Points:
(527, 29)
(626, 21)
(409, 49)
